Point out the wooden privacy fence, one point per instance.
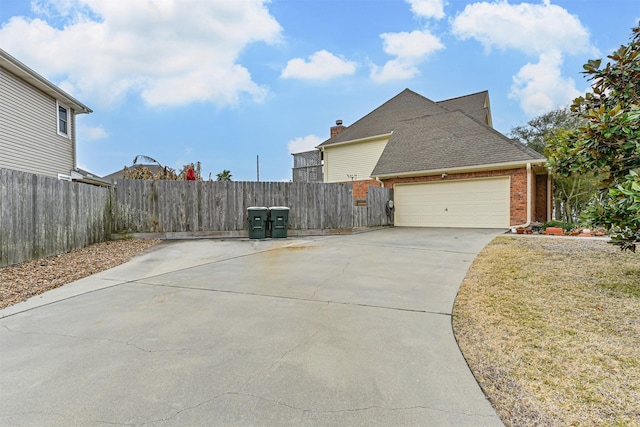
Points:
(211, 206)
(42, 216)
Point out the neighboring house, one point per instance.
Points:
(307, 167)
(447, 165)
(114, 176)
(37, 123)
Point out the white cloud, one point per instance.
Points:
(394, 69)
(322, 65)
(409, 49)
(92, 133)
(416, 44)
(427, 8)
(541, 88)
(304, 143)
(543, 30)
(531, 28)
(171, 52)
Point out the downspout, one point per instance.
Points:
(549, 197)
(528, 223)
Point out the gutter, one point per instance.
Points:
(463, 169)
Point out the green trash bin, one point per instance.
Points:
(279, 219)
(258, 222)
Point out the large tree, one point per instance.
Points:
(539, 130)
(572, 194)
(608, 146)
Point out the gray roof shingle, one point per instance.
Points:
(445, 141)
(476, 105)
(406, 105)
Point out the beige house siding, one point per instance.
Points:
(29, 140)
(354, 160)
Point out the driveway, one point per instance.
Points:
(333, 331)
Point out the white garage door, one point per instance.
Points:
(480, 203)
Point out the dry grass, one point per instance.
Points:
(550, 327)
(22, 281)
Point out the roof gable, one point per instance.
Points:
(476, 105)
(447, 141)
(406, 105)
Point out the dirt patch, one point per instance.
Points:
(22, 281)
(550, 327)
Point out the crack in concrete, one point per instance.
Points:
(276, 362)
(362, 409)
(127, 343)
(335, 276)
(304, 411)
(258, 294)
(413, 248)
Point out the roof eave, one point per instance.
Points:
(27, 74)
(463, 169)
(356, 141)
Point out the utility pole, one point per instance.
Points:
(258, 167)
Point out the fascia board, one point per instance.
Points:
(36, 80)
(465, 169)
(357, 141)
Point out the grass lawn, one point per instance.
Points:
(550, 328)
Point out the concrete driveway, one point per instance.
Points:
(332, 331)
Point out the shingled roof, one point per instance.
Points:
(476, 105)
(447, 141)
(408, 105)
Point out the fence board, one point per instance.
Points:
(377, 199)
(170, 206)
(42, 216)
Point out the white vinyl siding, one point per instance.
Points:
(29, 139)
(478, 203)
(353, 161)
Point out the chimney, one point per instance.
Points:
(337, 128)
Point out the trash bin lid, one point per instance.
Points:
(280, 208)
(257, 208)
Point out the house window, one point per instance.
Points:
(63, 120)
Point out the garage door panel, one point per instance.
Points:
(471, 203)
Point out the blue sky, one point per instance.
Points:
(224, 81)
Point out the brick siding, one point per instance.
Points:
(361, 187)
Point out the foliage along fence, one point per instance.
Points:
(42, 216)
(211, 208)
